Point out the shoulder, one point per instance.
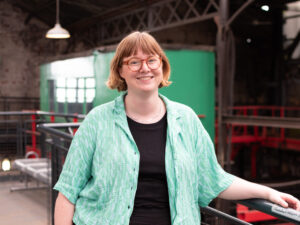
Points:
(184, 115)
(179, 109)
(99, 113)
(182, 108)
(102, 109)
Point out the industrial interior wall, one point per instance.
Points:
(192, 76)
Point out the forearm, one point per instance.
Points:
(242, 189)
(64, 211)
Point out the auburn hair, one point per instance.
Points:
(128, 47)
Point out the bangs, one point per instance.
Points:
(141, 41)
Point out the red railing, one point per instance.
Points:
(255, 136)
(34, 133)
(27, 136)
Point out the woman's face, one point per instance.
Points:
(142, 72)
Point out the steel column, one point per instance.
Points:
(221, 72)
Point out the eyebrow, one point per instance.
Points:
(134, 56)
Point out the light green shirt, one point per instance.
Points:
(101, 170)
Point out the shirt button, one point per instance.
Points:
(129, 207)
(131, 188)
(133, 169)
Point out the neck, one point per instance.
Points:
(144, 108)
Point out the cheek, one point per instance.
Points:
(160, 72)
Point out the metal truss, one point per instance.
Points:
(154, 17)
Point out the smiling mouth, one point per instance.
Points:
(145, 78)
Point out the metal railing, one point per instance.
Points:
(18, 133)
(61, 137)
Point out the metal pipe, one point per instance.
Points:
(59, 125)
(264, 121)
(41, 113)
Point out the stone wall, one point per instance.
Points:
(23, 47)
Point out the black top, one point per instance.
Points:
(151, 205)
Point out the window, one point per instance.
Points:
(73, 85)
(74, 91)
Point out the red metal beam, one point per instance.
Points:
(247, 215)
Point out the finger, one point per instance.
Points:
(283, 203)
(280, 201)
(297, 207)
(292, 201)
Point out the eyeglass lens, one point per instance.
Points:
(135, 64)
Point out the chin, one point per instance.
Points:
(148, 89)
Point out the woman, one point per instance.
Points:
(143, 159)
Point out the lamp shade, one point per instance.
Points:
(57, 32)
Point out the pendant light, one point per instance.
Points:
(57, 32)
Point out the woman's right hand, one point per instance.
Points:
(285, 200)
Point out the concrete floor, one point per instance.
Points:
(30, 207)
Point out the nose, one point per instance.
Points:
(144, 66)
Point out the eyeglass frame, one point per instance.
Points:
(142, 60)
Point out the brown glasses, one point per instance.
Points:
(135, 64)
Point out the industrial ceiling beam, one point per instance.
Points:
(233, 17)
(86, 6)
(34, 10)
(155, 16)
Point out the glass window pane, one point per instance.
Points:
(81, 83)
(90, 94)
(71, 95)
(90, 82)
(71, 83)
(60, 82)
(60, 94)
(80, 95)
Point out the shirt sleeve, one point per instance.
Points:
(212, 178)
(77, 167)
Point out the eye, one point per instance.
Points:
(152, 60)
(134, 62)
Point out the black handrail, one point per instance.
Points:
(275, 210)
(232, 219)
(55, 132)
